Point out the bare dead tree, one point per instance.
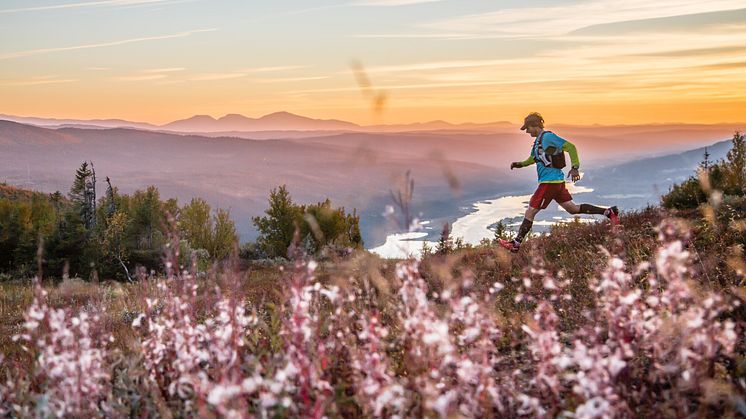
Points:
(111, 205)
(93, 197)
(403, 199)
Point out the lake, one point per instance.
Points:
(475, 225)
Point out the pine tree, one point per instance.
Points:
(501, 231)
(83, 194)
(705, 163)
(277, 228)
(56, 200)
(77, 191)
(445, 244)
(319, 225)
(426, 250)
(353, 229)
(111, 206)
(736, 165)
(91, 198)
(147, 220)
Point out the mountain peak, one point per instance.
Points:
(234, 117)
(276, 121)
(200, 118)
(283, 115)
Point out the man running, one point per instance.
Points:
(548, 155)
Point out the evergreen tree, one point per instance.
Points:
(77, 190)
(111, 205)
(10, 234)
(353, 229)
(146, 232)
(68, 248)
(276, 229)
(426, 250)
(736, 165)
(501, 231)
(171, 208)
(445, 243)
(319, 225)
(706, 163)
(83, 194)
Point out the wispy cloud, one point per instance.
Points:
(26, 53)
(357, 3)
(391, 2)
(170, 81)
(84, 4)
(289, 79)
(578, 71)
(34, 81)
(251, 70)
(436, 35)
(737, 65)
(689, 52)
(228, 76)
(272, 69)
(559, 20)
(555, 21)
(141, 77)
(216, 76)
(163, 70)
(441, 65)
(168, 75)
(695, 64)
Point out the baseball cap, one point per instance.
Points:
(534, 118)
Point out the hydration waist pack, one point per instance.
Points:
(549, 157)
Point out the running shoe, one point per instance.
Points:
(512, 245)
(613, 215)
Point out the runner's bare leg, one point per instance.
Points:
(571, 207)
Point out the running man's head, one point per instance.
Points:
(533, 124)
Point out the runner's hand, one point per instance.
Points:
(574, 175)
(515, 165)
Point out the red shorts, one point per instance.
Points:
(546, 192)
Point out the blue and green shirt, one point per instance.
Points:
(551, 174)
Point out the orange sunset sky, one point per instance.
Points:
(592, 61)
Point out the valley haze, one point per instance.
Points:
(234, 161)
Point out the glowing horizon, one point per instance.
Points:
(577, 62)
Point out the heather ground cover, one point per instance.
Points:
(646, 319)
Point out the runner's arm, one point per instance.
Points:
(573, 152)
(528, 162)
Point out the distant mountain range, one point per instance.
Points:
(288, 125)
(82, 123)
(271, 122)
(277, 121)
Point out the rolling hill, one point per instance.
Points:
(238, 173)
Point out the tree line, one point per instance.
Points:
(82, 235)
(727, 175)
